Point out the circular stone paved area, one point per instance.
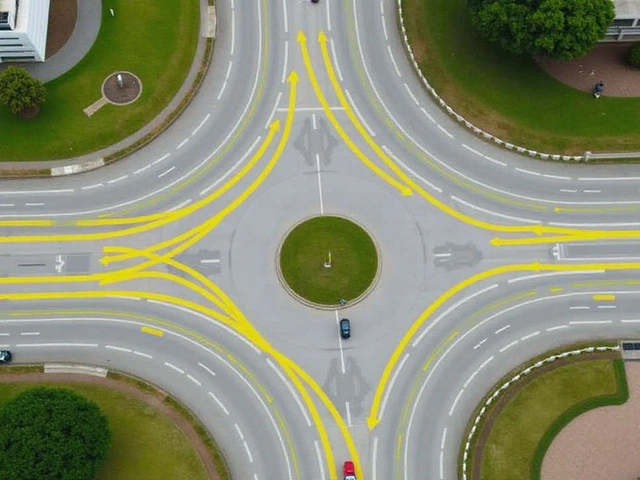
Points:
(600, 444)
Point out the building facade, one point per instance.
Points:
(626, 25)
(23, 30)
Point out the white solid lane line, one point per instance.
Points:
(500, 330)
(319, 183)
(166, 172)
(232, 169)
(455, 402)
(220, 404)
(286, 61)
(340, 342)
(118, 349)
(286, 20)
(116, 180)
(319, 456)
(211, 372)
(355, 108)
(173, 367)
(142, 354)
(39, 345)
(291, 390)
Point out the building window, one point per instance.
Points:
(17, 59)
(623, 22)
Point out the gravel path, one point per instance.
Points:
(607, 61)
(601, 444)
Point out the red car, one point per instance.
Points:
(349, 471)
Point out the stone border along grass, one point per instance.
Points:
(563, 420)
(138, 144)
(321, 306)
(212, 448)
(627, 157)
(477, 420)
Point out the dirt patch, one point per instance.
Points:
(121, 88)
(62, 20)
(607, 61)
(601, 443)
(155, 399)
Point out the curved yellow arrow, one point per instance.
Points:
(403, 189)
(536, 229)
(207, 226)
(374, 414)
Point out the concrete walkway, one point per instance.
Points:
(83, 37)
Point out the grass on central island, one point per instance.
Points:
(146, 445)
(354, 260)
(525, 427)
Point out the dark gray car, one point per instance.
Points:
(345, 328)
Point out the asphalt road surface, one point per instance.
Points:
(163, 264)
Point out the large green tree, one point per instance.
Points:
(20, 91)
(562, 29)
(52, 433)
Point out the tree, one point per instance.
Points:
(633, 55)
(20, 91)
(558, 28)
(52, 433)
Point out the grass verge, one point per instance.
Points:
(618, 397)
(159, 50)
(354, 260)
(508, 95)
(146, 444)
(517, 428)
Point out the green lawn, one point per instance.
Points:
(145, 445)
(527, 424)
(509, 95)
(154, 40)
(354, 261)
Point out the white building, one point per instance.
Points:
(626, 25)
(23, 30)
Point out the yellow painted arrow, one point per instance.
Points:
(403, 189)
(374, 414)
(274, 128)
(207, 226)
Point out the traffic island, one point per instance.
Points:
(328, 262)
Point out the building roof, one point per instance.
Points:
(627, 8)
(8, 5)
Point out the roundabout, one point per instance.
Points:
(328, 262)
(166, 265)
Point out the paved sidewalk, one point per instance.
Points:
(68, 56)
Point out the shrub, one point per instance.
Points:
(52, 433)
(633, 55)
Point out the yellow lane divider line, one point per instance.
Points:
(374, 414)
(207, 226)
(152, 331)
(537, 229)
(604, 297)
(402, 188)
